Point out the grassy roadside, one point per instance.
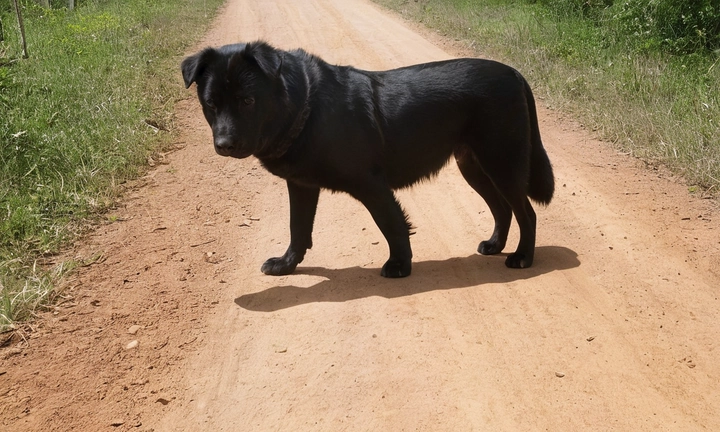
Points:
(654, 97)
(79, 117)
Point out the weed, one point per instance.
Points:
(22, 298)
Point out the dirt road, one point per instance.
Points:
(615, 327)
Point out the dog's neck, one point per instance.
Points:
(295, 129)
(284, 142)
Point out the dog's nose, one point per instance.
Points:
(223, 142)
(223, 145)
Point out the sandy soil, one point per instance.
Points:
(615, 327)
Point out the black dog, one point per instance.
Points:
(366, 133)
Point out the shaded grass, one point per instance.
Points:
(79, 118)
(656, 105)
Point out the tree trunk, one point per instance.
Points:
(71, 4)
(22, 29)
(44, 3)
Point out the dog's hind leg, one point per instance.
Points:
(303, 205)
(392, 221)
(525, 215)
(512, 185)
(500, 209)
(510, 181)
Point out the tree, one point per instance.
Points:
(22, 29)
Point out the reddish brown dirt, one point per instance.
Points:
(616, 327)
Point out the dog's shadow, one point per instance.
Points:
(354, 283)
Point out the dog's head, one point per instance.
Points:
(242, 93)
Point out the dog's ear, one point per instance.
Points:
(267, 58)
(194, 66)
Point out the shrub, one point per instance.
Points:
(681, 26)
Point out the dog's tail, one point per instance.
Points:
(541, 185)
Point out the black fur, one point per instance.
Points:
(320, 126)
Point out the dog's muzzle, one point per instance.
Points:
(226, 146)
(223, 146)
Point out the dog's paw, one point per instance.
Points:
(395, 268)
(278, 267)
(518, 260)
(488, 247)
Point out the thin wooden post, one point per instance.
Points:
(44, 3)
(71, 4)
(22, 29)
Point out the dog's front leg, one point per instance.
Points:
(303, 204)
(392, 221)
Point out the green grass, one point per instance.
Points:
(76, 122)
(22, 297)
(654, 97)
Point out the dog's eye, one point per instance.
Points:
(248, 101)
(211, 104)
